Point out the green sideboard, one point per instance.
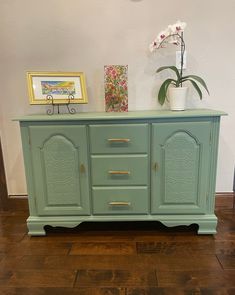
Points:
(135, 166)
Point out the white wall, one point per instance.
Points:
(84, 35)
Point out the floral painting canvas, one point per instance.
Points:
(115, 85)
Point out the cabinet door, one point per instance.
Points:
(180, 174)
(60, 169)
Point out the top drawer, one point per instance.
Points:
(119, 138)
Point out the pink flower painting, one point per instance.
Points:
(115, 86)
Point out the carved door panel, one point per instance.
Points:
(60, 169)
(181, 158)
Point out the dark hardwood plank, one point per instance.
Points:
(11, 238)
(115, 291)
(62, 291)
(4, 277)
(82, 262)
(192, 248)
(38, 278)
(81, 237)
(154, 261)
(224, 200)
(39, 249)
(225, 235)
(19, 205)
(3, 183)
(178, 291)
(117, 277)
(9, 262)
(4, 248)
(107, 248)
(176, 248)
(31, 262)
(192, 279)
(153, 291)
(99, 262)
(225, 247)
(189, 263)
(227, 261)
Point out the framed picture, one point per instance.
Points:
(56, 87)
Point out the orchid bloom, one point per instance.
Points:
(177, 27)
(169, 35)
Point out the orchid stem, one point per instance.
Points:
(182, 49)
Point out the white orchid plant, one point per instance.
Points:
(174, 34)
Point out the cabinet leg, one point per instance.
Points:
(36, 225)
(36, 229)
(206, 224)
(207, 227)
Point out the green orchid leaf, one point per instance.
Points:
(196, 87)
(197, 78)
(162, 94)
(173, 68)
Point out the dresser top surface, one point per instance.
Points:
(131, 115)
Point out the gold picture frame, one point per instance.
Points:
(56, 88)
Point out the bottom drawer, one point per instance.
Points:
(124, 200)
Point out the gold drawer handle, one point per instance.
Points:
(120, 203)
(155, 166)
(82, 168)
(111, 140)
(119, 172)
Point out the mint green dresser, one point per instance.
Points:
(149, 165)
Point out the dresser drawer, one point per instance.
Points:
(120, 170)
(119, 138)
(134, 200)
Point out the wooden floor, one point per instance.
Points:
(117, 258)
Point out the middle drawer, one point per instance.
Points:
(119, 170)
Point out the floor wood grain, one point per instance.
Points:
(117, 259)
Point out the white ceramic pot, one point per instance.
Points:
(177, 97)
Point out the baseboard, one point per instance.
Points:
(18, 196)
(225, 194)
